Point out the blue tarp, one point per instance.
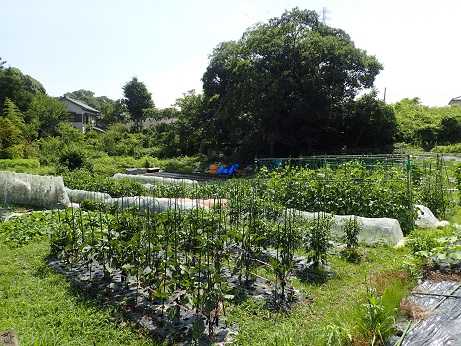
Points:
(229, 170)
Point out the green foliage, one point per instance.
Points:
(351, 232)
(276, 91)
(18, 87)
(458, 177)
(19, 164)
(109, 165)
(182, 164)
(425, 240)
(372, 123)
(335, 335)
(439, 248)
(12, 129)
(427, 126)
(351, 189)
(377, 322)
(137, 99)
(22, 230)
(187, 130)
(44, 115)
(318, 238)
(73, 158)
(118, 142)
(84, 180)
(432, 187)
(447, 149)
(91, 205)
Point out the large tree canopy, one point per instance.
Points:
(286, 87)
(18, 87)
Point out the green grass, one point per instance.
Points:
(334, 302)
(43, 309)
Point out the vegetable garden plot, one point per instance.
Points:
(177, 266)
(369, 186)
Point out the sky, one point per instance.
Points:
(101, 44)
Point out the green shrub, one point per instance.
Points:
(427, 126)
(451, 148)
(351, 237)
(351, 232)
(84, 180)
(109, 165)
(19, 164)
(183, 164)
(425, 240)
(432, 188)
(91, 205)
(49, 147)
(73, 158)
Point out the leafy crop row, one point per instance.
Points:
(351, 189)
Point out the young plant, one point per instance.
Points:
(318, 239)
(352, 229)
(286, 239)
(376, 322)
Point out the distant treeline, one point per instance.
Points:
(290, 86)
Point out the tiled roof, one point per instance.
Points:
(81, 104)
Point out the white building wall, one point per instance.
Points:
(73, 108)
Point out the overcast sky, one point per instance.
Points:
(99, 45)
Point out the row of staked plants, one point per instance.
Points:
(199, 259)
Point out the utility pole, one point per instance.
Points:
(324, 15)
(384, 98)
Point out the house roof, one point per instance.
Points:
(81, 104)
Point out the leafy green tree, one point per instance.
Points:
(450, 129)
(115, 112)
(427, 126)
(11, 131)
(283, 87)
(137, 99)
(45, 113)
(18, 87)
(188, 123)
(371, 123)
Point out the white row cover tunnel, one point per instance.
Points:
(49, 192)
